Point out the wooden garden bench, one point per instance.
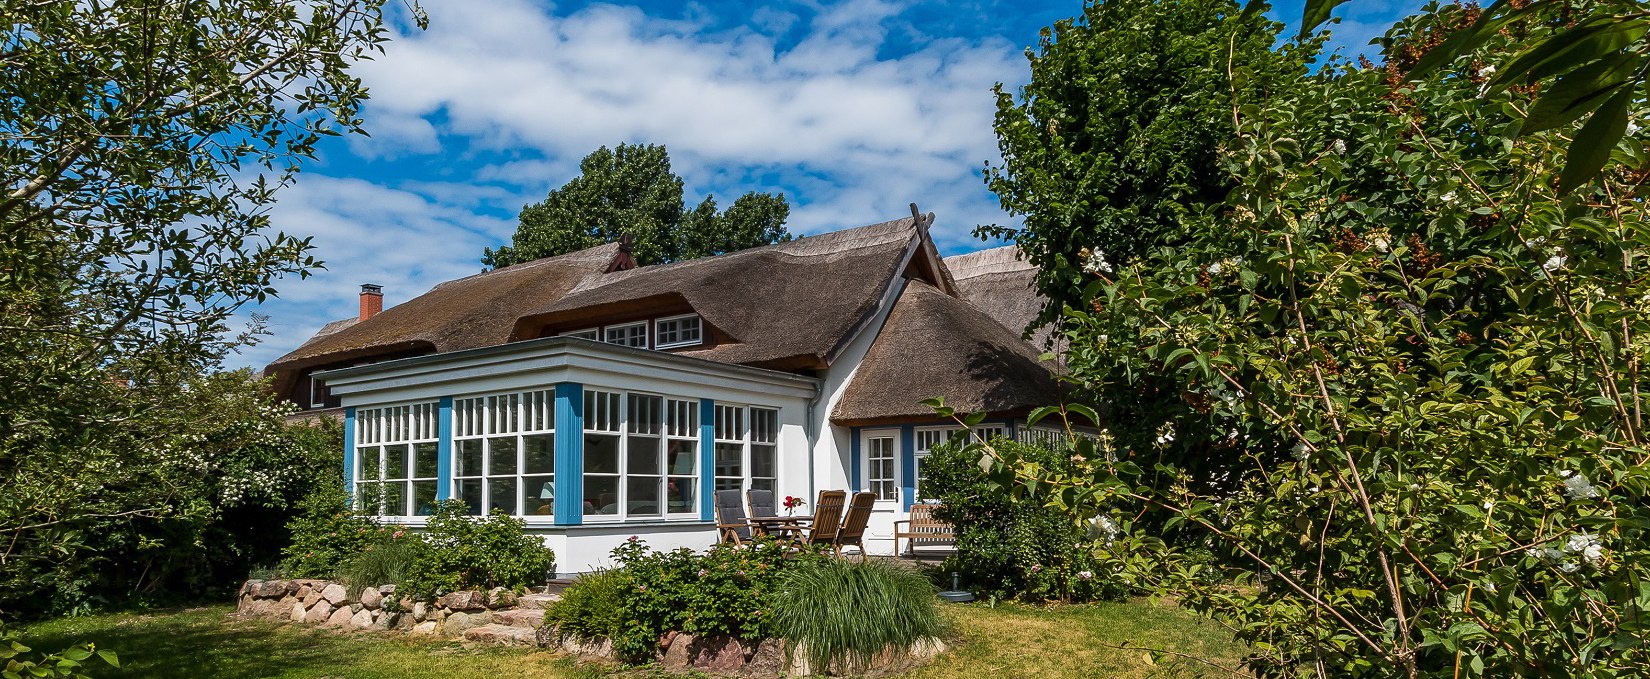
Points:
(922, 525)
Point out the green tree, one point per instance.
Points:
(1393, 381)
(1114, 144)
(141, 145)
(630, 190)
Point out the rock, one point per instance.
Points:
(456, 623)
(288, 600)
(499, 597)
(372, 598)
(463, 601)
(361, 620)
(318, 613)
(404, 621)
(539, 601)
(355, 607)
(386, 590)
(385, 620)
(500, 635)
(420, 611)
(339, 618)
(678, 653)
(519, 617)
(335, 594)
(424, 628)
(717, 653)
(313, 597)
(405, 604)
(269, 589)
(246, 588)
(304, 590)
(768, 660)
(298, 612)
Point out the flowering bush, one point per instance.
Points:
(1390, 377)
(327, 535)
(1008, 549)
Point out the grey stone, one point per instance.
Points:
(371, 598)
(304, 590)
(298, 612)
(499, 597)
(455, 624)
(384, 620)
(361, 620)
(420, 611)
(463, 601)
(678, 652)
(718, 653)
(386, 590)
(500, 635)
(424, 628)
(768, 660)
(355, 607)
(339, 618)
(537, 600)
(312, 597)
(318, 613)
(335, 594)
(519, 617)
(246, 588)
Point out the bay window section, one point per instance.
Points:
(729, 438)
(764, 448)
(602, 429)
(640, 455)
(396, 460)
(682, 456)
(504, 453)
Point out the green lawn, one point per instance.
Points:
(1006, 641)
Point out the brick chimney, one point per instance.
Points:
(372, 301)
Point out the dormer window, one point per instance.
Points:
(587, 333)
(629, 334)
(676, 331)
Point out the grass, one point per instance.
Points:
(844, 612)
(1006, 641)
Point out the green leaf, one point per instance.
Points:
(1564, 51)
(1037, 414)
(1592, 146)
(109, 657)
(1314, 13)
(1577, 93)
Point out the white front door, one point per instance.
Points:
(880, 471)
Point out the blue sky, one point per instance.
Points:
(852, 109)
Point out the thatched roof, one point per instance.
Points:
(470, 312)
(1002, 284)
(786, 306)
(934, 344)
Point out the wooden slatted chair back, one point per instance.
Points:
(827, 517)
(854, 523)
(731, 522)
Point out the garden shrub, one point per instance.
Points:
(459, 552)
(384, 562)
(18, 660)
(844, 613)
(327, 535)
(593, 606)
(1008, 549)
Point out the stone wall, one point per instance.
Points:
(332, 604)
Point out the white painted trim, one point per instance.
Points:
(647, 337)
(865, 436)
(595, 334)
(673, 345)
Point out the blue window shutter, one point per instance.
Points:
(908, 465)
(349, 452)
(569, 506)
(707, 460)
(853, 459)
(444, 449)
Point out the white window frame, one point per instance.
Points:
(593, 334)
(383, 433)
(659, 333)
(607, 334)
(525, 415)
(617, 423)
(738, 434)
(865, 472)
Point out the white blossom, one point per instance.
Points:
(1214, 269)
(1302, 453)
(1085, 575)
(1579, 488)
(1103, 527)
(1448, 198)
(1382, 244)
(1554, 262)
(1339, 146)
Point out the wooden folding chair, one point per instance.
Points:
(827, 518)
(853, 525)
(731, 524)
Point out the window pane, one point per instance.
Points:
(470, 492)
(502, 459)
(541, 451)
(645, 414)
(501, 495)
(729, 484)
(395, 462)
(683, 457)
(644, 455)
(395, 499)
(368, 458)
(762, 460)
(762, 484)
(538, 495)
(643, 498)
(681, 491)
(601, 495)
(423, 498)
(469, 458)
(601, 454)
(729, 459)
(426, 460)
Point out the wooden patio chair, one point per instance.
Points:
(827, 518)
(922, 525)
(762, 506)
(853, 525)
(731, 524)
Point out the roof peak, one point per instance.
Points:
(1003, 259)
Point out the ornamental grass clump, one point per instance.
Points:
(841, 614)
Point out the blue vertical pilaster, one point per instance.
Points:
(569, 506)
(707, 460)
(349, 452)
(853, 459)
(444, 449)
(907, 465)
